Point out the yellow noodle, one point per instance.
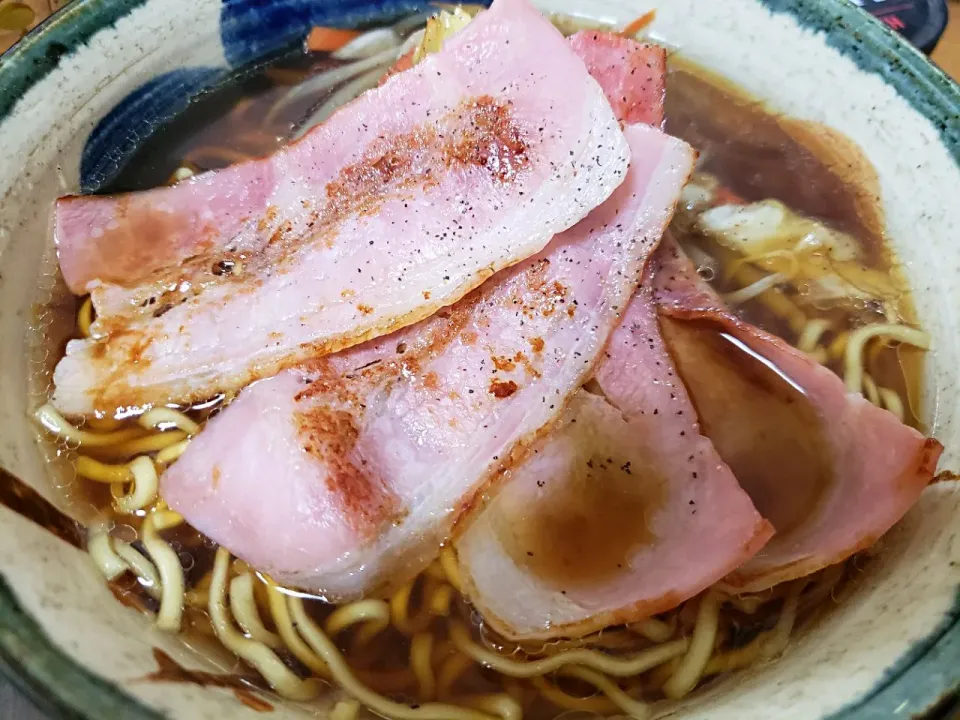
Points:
(56, 424)
(293, 641)
(617, 666)
(157, 418)
(452, 669)
(100, 547)
(701, 647)
(633, 708)
(171, 453)
(244, 609)
(141, 567)
(810, 337)
(774, 300)
(345, 677)
(85, 317)
(345, 710)
(451, 568)
(400, 608)
(277, 675)
(101, 472)
(838, 347)
(168, 564)
(754, 290)
(595, 704)
(748, 604)
(853, 361)
(499, 704)
(439, 601)
(375, 614)
(656, 630)
(777, 641)
(892, 402)
(146, 485)
(142, 445)
(421, 656)
(870, 389)
(435, 570)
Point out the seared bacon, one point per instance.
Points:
(624, 512)
(633, 75)
(345, 475)
(398, 205)
(828, 469)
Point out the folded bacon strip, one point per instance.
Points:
(633, 75)
(831, 471)
(345, 475)
(401, 203)
(624, 512)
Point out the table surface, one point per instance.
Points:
(947, 55)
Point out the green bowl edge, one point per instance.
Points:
(61, 687)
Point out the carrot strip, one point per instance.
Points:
(328, 39)
(404, 62)
(639, 24)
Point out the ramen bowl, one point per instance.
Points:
(80, 93)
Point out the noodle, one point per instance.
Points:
(53, 421)
(421, 661)
(293, 642)
(452, 669)
(451, 568)
(168, 564)
(345, 710)
(374, 614)
(99, 546)
(633, 708)
(85, 317)
(621, 666)
(654, 630)
(594, 704)
(277, 675)
(146, 485)
(701, 646)
(344, 676)
(810, 337)
(171, 453)
(400, 608)
(141, 567)
(101, 472)
(244, 609)
(165, 418)
(853, 363)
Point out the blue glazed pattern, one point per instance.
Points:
(118, 134)
(253, 29)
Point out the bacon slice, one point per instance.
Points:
(346, 475)
(399, 204)
(624, 512)
(633, 75)
(831, 471)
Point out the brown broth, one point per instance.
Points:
(756, 153)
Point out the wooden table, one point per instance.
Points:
(947, 55)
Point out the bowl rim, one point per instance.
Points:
(927, 677)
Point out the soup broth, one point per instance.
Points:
(424, 642)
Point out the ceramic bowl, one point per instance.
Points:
(79, 92)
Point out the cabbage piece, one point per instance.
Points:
(441, 26)
(770, 225)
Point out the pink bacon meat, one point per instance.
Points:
(831, 471)
(624, 512)
(344, 476)
(401, 203)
